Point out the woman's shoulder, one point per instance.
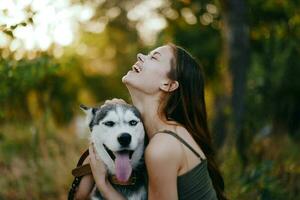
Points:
(163, 147)
(166, 143)
(169, 144)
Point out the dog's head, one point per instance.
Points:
(118, 135)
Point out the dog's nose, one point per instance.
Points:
(124, 139)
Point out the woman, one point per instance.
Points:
(167, 86)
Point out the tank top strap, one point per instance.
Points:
(182, 141)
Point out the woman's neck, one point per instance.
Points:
(148, 106)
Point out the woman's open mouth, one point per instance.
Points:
(136, 68)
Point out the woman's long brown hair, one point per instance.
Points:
(186, 105)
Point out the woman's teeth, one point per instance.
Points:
(137, 68)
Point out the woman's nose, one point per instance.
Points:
(140, 57)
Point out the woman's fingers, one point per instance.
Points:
(97, 165)
(92, 153)
(96, 156)
(114, 101)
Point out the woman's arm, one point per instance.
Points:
(85, 186)
(162, 158)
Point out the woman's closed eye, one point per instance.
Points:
(153, 57)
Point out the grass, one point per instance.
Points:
(35, 167)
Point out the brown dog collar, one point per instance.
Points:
(131, 181)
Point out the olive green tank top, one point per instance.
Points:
(195, 184)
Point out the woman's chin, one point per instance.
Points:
(127, 79)
(129, 82)
(124, 79)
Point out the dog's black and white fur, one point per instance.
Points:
(118, 128)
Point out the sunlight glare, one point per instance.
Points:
(54, 22)
(150, 23)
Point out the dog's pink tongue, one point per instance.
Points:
(123, 167)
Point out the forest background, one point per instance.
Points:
(55, 55)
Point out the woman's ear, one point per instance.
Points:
(170, 86)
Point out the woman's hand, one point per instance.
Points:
(97, 166)
(100, 176)
(114, 101)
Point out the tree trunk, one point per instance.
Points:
(236, 35)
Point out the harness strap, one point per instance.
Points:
(82, 170)
(182, 141)
(83, 157)
(78, 173)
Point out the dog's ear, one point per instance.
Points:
(89, 113)
(84, 108)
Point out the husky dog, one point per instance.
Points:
(118, 135)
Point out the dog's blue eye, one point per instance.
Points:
(109, 123)
(133, 122)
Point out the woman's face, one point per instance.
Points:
(149, 73)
